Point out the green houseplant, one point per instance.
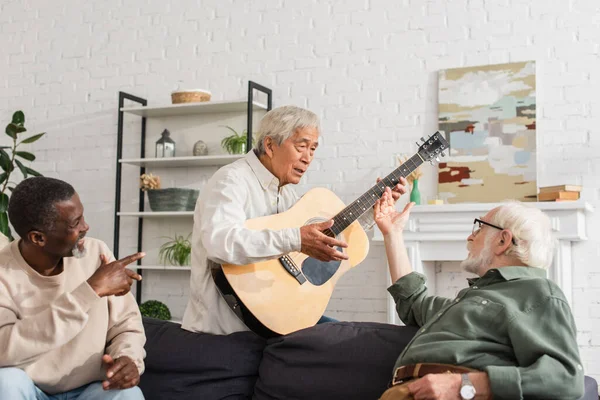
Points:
(236, 143)
(177, 251)
(155, 309)
(9, 162)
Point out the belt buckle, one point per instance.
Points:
(396, 380)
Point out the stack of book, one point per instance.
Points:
(559, 193)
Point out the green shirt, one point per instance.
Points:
(512, 323)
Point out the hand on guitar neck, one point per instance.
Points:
(317, 241)
(317, 244)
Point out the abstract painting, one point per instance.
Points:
(488, 116)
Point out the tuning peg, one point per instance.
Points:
(422, 139)
(437, 159)
(443, 154)
(431, 162)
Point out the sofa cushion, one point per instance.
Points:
(185, 365)
(341, 360)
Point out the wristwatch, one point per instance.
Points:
(467, 390)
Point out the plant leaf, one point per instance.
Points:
(3, 177)
(11, 130)
(32, 171)
(33, 138)
(4, 228)
(231, 129)
(11, 188)
(5, 163)
(18, 118)
(22, 168)
(26, 155)
(3, 202)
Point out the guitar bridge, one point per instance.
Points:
(292, 269)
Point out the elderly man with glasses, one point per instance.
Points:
(509, 335)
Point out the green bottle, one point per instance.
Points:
(415, 195)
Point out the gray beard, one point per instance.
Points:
(79, 253)
(475, 264)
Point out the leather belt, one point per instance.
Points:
(414, 371)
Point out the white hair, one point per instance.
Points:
(282, 122)
(532, 233)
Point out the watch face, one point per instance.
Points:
(467, 392)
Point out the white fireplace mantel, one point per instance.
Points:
(439, 233)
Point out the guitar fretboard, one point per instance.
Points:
(365, 202)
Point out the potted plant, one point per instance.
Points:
(236, 143)
(9, 162)
(177, 251)
(155, 309)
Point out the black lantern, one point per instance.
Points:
(165, 146)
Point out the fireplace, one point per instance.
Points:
(439, 233)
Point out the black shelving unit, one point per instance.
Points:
(252, 86)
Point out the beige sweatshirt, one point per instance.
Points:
(56, 328)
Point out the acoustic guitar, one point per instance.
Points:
(292, 292)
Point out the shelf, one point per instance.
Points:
(152, 214)
(160, 267)
(174, 162)
(193, 108)
(484, 207)
(208, 113)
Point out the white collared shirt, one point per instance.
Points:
(239, 191)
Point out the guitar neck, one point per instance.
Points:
(366, 202)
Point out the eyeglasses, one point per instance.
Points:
(477, 224)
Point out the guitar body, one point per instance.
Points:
(278, 299)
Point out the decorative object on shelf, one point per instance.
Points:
(488, 113)
(200, 148)
(413, 180)
(173, 199)
(155, 309)
(190, 96)
(165, 146)
(236, 143)
(149, 182)
(560, 193)
(9, 163)
(177, 251)
(170, 199)
(415, 195)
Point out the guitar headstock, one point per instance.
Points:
(432, 147)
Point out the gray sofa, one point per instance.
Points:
(344, 360)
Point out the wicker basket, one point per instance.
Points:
(190, 96)
(173, 199)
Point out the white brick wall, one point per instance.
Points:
(368, 67)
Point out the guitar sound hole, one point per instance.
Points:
(318, 272)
